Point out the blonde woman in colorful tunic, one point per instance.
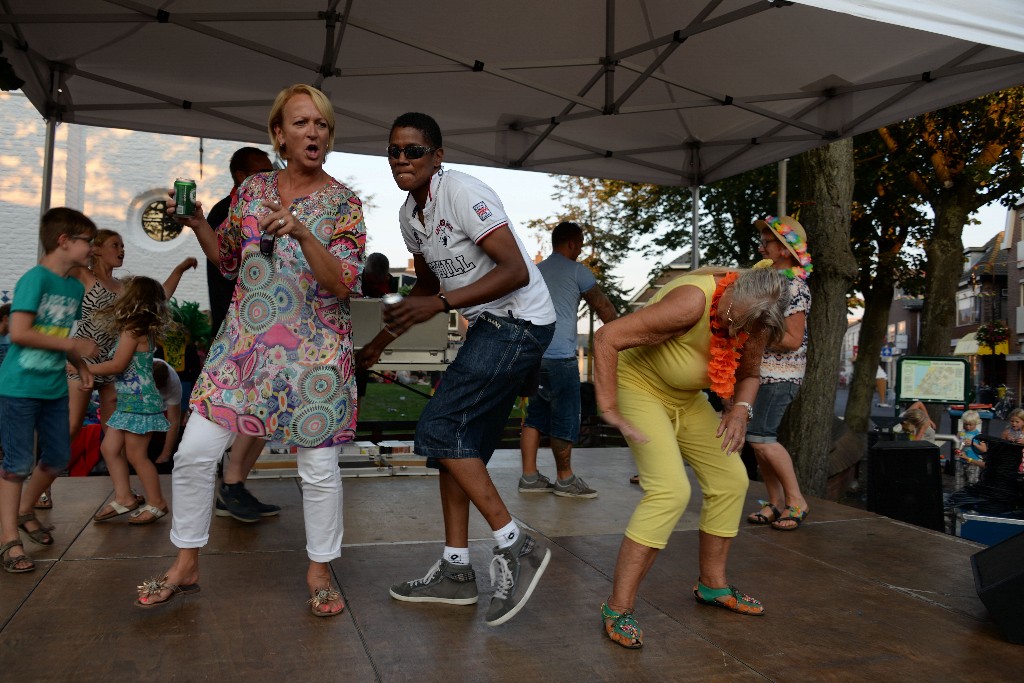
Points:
(703, 330)
(281, 369)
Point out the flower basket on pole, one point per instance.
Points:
(993, 338)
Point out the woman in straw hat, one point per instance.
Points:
(784, 241)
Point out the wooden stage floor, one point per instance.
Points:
(851, 596)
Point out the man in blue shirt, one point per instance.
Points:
(555, 409)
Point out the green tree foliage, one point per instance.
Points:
(585, 201)
(657, 218)
(957, 159)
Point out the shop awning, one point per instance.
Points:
(967, 346)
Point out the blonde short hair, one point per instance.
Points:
(276, 118)
(971, 417)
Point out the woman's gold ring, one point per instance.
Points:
(281, 222)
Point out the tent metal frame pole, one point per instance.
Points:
(780, 206)
(48, 145)
(694, 222)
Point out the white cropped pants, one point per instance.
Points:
(194, 481)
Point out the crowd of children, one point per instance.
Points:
(39, 339)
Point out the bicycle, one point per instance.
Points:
(1005, 405)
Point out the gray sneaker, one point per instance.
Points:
(454, 584)
(542, 485)
(515, 572)
(576, 488)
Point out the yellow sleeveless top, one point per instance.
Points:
(678, 366)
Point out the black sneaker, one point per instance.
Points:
(515, 572)
(265, 509)
(454, 584)
(232, 502)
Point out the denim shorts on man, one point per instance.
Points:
(467, 414)
(20, 420)
(772, 400)
(555, 408)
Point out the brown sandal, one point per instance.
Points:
(10, 562)
(41, 535)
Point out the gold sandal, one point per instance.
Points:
(323, 596)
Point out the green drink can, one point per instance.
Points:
(184, 196)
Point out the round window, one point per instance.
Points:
(157, 224)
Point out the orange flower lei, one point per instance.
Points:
(725, 350)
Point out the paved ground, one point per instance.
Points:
(850, 596)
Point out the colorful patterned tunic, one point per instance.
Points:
(140, 408)
(282, 366)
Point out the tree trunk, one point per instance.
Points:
(877, 302)
(827, 179)
(944, 268)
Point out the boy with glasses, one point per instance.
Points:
(33, 384)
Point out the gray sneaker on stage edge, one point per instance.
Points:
(541, 485)
(454, 584)
(515, 572)
(576, 488)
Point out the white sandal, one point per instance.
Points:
(155, 512)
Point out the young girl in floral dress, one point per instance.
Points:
(140, 315)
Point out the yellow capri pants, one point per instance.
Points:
(681, 428)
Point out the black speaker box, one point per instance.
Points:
(999, 580)
(905, 482)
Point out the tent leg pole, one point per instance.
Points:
(51, 134)
(694, 223)
(47, 188)
(780, 207)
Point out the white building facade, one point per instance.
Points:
(113, 176)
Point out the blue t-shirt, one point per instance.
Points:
(966, 439)
(56, 302)
(567, 282)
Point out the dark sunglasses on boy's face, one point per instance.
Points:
(412, 152)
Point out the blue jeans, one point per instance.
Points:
(468, 412)
(770, 405)
(20, 420)
(555, 409)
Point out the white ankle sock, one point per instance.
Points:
(507, 535)
(456, 555)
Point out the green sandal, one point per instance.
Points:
(624, 629)
(729, 598)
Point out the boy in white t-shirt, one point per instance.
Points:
(467, 257)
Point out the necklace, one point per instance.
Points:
(725, 349)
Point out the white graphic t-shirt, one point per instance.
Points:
(461, 211)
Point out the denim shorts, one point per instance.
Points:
(555, 408)
(21, 419)
(467, 414)
(772, 400)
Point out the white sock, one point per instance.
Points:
(507, 535)
(456, 555)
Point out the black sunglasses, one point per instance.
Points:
(412, 152)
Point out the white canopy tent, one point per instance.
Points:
(675, 92)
